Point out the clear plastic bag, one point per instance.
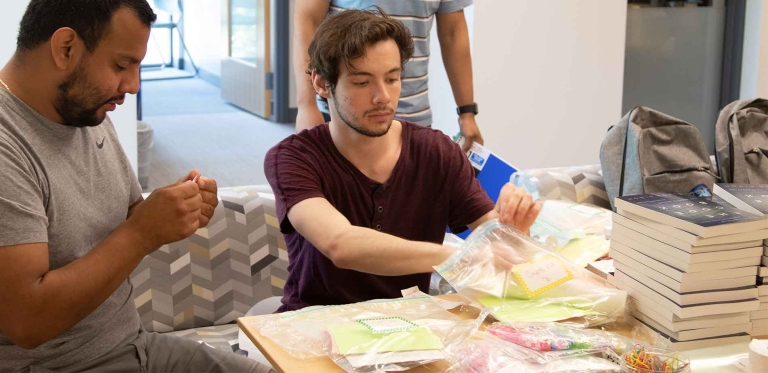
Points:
(582, 251)
(438, 285)
(501, 268)
(652, 338)
(642, 332)
(379, 335)
(491, 355)
(579, 232)
(567, 220)
(551, 341)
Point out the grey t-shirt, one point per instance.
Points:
(69, 187)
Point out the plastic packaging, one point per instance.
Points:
(551, 341)
(653, 338)
(389, 335)
(438, 285)
(582, 251)
(579, 232)
(499, 267)
(530, 183)
(491, 355)
(568, 220)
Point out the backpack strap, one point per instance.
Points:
(624, 156)
(731, 118)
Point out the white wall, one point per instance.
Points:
(548, 78)
(124, 117)
(9, 28)
(751, 54)
(762, 74)
(754, 67)
(203, 33)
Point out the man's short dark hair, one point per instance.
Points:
(89, 18)
(345, 36)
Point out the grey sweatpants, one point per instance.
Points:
(160, 353)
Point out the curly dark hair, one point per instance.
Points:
(345, 36)
(89, 18)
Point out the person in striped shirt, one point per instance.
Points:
(418, 16)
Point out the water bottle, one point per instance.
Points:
(527, 182)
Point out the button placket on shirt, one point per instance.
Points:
(378, 196)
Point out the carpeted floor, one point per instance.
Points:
(195, 129)
(182, 96)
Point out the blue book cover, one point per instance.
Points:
(750, 198)
(492, 172)
(494, 176)
(702, 211)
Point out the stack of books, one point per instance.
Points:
(760, 317)
(752, 199)
(690, 265)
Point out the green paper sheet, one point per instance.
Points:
(354, 338)
(532, 310)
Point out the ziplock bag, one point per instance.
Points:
(500, 268)
(491, 355)
(551, 341)
(578, 232)
(388, 334)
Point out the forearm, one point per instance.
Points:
(132, 209)
(369, 251)
(457, 59)
(63, 297)
(305, 92)
(493, 214)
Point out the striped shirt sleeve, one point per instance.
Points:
(450, 6)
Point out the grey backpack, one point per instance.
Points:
(741, 142)
(659, 153)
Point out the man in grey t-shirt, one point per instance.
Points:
(73, 223)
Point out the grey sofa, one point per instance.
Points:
(198, 287)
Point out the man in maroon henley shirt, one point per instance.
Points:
(364, 200)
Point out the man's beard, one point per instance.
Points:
(360, 129)
(76, 110)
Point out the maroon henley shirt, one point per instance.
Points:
(432, 187)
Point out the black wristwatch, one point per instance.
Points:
(467, 109)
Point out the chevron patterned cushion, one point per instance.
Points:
(582, 184)
(219, 273)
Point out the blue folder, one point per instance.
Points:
(492, 172)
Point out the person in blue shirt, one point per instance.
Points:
(418, 16)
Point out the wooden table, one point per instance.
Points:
(284, 362)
